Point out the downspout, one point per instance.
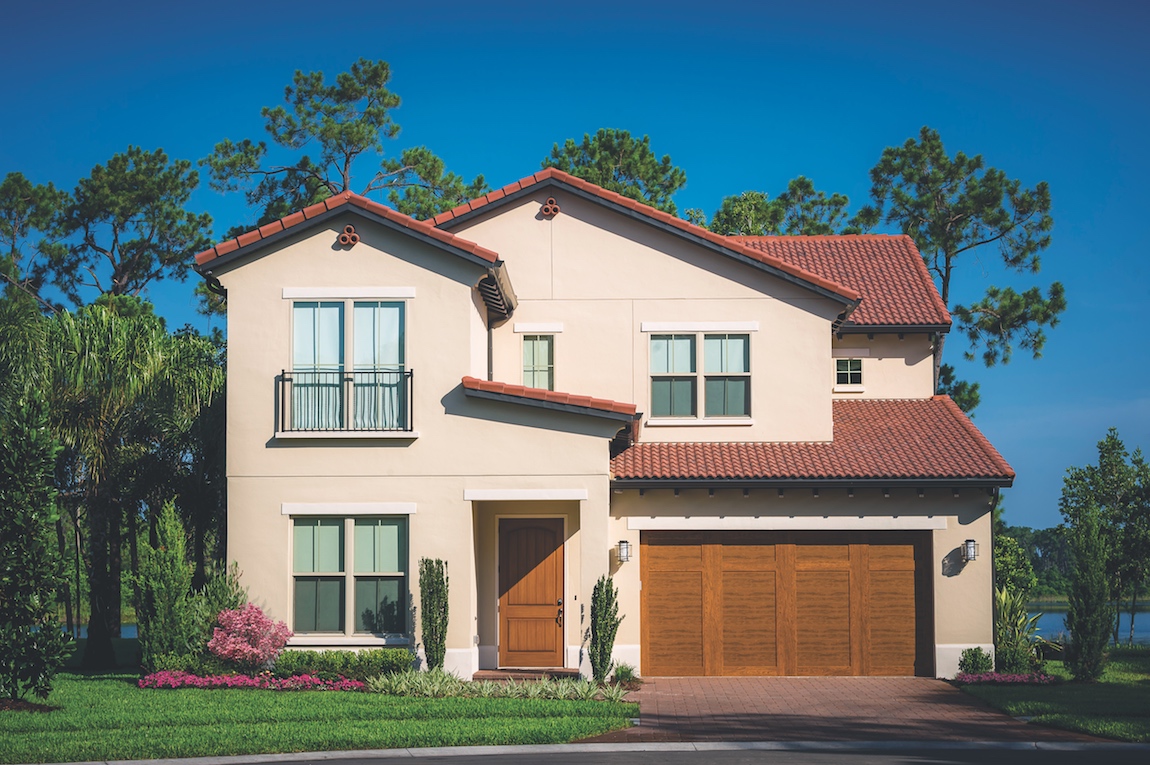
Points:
(490, 351)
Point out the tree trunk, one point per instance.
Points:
(66, 591)
(134, 551)
(115, 566)
(102, 590)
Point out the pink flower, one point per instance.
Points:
(248, 638)
(995, 678)
(262, 681)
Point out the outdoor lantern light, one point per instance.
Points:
(624, 551)
(969, 550)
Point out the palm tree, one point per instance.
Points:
(120, 385)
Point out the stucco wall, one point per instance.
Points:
(892, 368)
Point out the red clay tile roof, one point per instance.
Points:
(896, 440)
(421, 227)
(549, 396)
(726, 243)
(887, 270)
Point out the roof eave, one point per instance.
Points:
(236, 257)
(780, 483)
(863, 329)
(551, 405)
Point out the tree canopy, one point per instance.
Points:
(950, 206)
(345, 122)
(621, 163)
(29, 233)
(799, 210)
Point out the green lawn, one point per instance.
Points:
(1117, 707)
(106, 717)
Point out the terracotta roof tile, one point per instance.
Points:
(294, 219)
(665, 218)
(887, 270)
(896, 440)
(550, 396)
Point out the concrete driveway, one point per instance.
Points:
(820, 709)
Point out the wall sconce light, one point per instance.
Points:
(624, 550)
(969, 550)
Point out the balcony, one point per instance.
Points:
(317, 403)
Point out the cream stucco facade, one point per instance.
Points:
(600, 284)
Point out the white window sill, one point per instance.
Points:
(664, 422)
(301, 641)
(350, 435)
(848, 389)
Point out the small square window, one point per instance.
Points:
(848, 371)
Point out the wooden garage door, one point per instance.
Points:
(762, 603)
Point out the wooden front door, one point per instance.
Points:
(763, 603)
(531, 592)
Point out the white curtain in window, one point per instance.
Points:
(377, 357)
(317, 366)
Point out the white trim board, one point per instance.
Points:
(540, 328)
(699, 326)
(347, 508)
(345, 293)
(522, 495)
(788, 523)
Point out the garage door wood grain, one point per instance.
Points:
(763, 603)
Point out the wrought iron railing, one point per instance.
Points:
(371, 400)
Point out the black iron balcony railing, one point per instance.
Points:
(373, 400)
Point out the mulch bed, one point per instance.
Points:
(19, 705)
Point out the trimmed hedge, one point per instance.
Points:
(354, 665)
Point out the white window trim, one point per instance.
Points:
(348, 293)
(699, 326)
(348, 508)
(848, 389)
(522, 495)
(345, 435)
(850, 353)
(702, 422)
(349, 636)
(538, 328)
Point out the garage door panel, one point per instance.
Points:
(750, 641)
(892, 623)
(821, 556)
(892, 557)
(675, 623)
(748, 557)
(823, 620)
(676, 554)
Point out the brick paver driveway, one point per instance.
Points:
(820, 709)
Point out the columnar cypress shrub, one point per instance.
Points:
(32, 645)
(605, 621)
(1091, 616)
(165, 612)
(433, 610)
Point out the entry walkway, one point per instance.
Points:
(820, 709)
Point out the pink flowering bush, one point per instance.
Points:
(263, 681)
(999, 678)
(248, 638)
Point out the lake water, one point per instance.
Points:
(1053, 622)
(126, 630)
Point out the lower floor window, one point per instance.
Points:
(372, 569)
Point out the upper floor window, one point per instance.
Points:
(373, 569)
(539, 361)
(848, 371)
(726, 384)
(336, 385)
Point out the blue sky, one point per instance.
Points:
(741, 97)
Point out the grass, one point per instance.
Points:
(1117, 707)
(106, 717)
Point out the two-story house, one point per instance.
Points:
(553, 383)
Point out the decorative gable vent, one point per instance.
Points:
(550, 208)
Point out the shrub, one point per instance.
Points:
(999, 678)
(624, 674)
(433, 591)
(247, 638)
(605, 621)
(32, 645)
(166, 618)
(975, 661)
(221, 592)
(1015, 633)
(1091, 616)
(350, 664)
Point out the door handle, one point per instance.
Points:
(559, 618)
